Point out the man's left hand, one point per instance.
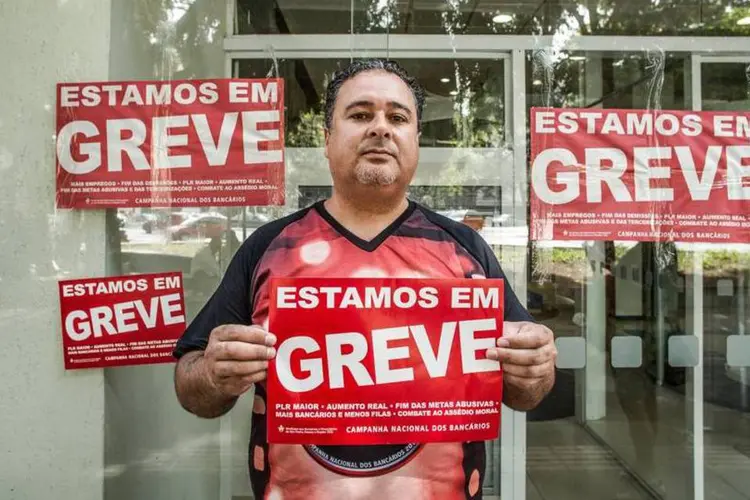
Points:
(527, 354)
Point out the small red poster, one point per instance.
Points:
(640, 175)
(177, 143)
(384, 361)
(121, 321)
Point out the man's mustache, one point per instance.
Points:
(377, 147)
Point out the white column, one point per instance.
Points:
(51, 421)
(660, 311)
(595, 373)
(513, 431)
(742, 295)
(694, 322)
(694, 386)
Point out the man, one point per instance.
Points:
(367, 228)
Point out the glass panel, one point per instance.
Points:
(618, 424)
(296, 17)
(738, 350)
(146, 430)
(465, 98)
(683, 351)
(571, 352)
(471, 17)
(725, 86)
(627, 352)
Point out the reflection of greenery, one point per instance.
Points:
(715, 262)
(582, 17)
(646, 17)
(308, 131)
(379, 15)
(568, 255)
(477, 120)
(479, 106)
(172, 39)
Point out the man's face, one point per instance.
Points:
(373, 139)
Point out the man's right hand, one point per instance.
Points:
(237, 357)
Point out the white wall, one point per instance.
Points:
(51, 421)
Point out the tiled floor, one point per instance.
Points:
(565, 461)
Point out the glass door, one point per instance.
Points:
(720, 295)
(467, 171)
(652, 393)
(615, 425)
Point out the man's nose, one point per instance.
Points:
(380, 127)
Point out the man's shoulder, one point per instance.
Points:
(463, 234)
(274, 227)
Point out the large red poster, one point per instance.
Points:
(170, 144)
(640, 175)
(121, 320)
(384, 361)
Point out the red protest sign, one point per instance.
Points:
(384, 361)
(170, 144)
(121, 321)
(640, 175)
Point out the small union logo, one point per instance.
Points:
(281, 428)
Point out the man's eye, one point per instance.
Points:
(359, 116)
(399, 118)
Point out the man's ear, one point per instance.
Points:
(327, 136)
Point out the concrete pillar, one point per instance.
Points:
(52, 421)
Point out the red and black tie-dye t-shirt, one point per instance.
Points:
(311, 243)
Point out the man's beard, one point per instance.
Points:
(375, 175)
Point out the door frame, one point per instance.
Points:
(513, 49)
(694, 319)
(506, 463)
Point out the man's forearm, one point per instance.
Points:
(525, 398)
(195, 391)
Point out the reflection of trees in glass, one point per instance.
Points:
(307, 131)
(376, 16)
(474, 117)
(584, 17)
(650, 17)
(647, 80)
(456, 17)
(177, 39)
(479, 106)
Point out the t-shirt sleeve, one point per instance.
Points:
(514, 310)
(232, 302)
(478, 248)
(229, 304)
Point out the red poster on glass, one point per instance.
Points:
(121, 321)
(384, 361)
(170, 144)
(640, 175)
